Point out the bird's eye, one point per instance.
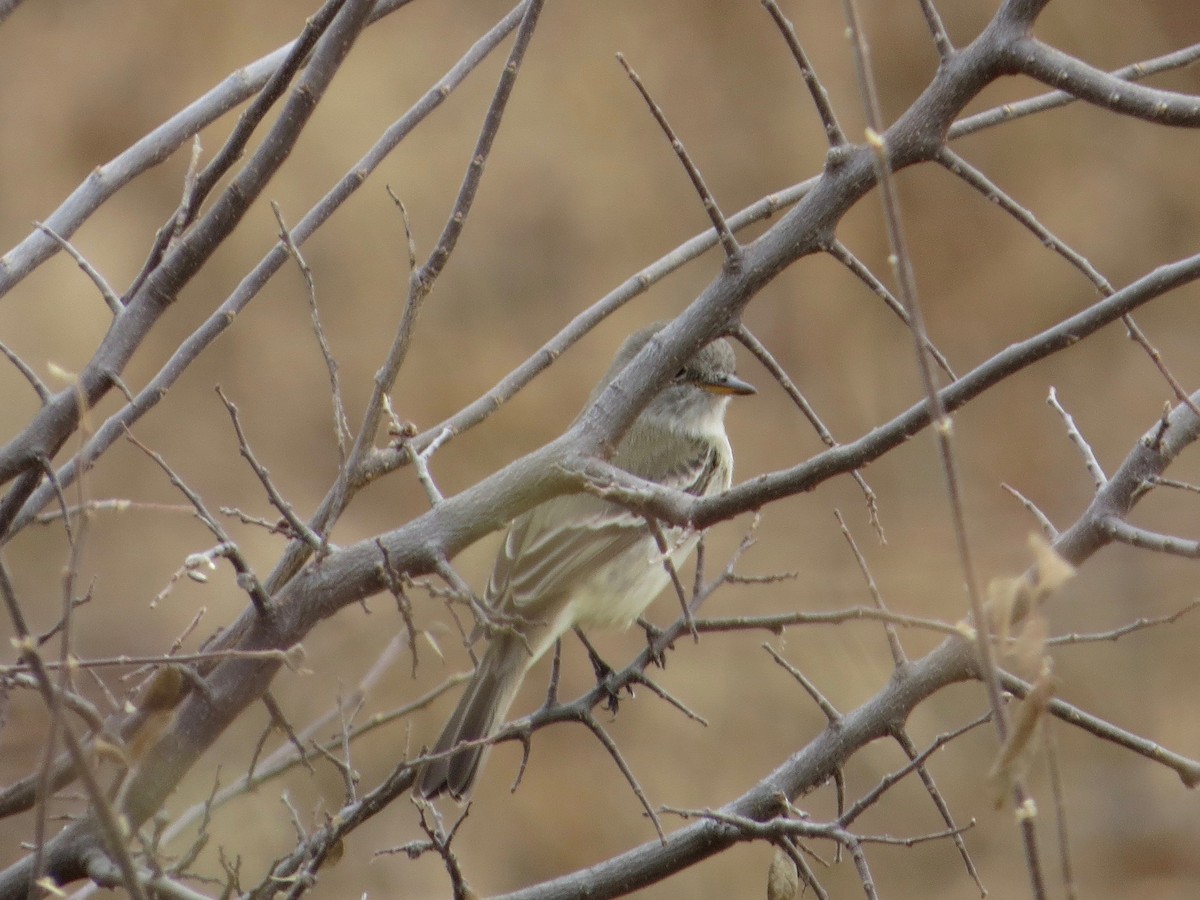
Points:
(680, 375)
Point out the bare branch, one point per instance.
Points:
(48, 431)
(112, 833)
(315, 541)
(1080, 442)
(27, 373)
(224, 315)
(111, 300)
(763, 355)
(197, 186)
(899, 657)
(941, 40)
(530, 11)
(341, 427)
(842, 254)
(1060, 70)
(1125, 533)
(1188, 770)
(1117, 633)
(733, 252)
(825, 706)
(247, 580)
(1177, 59)
(820, 97)
(1043, 520)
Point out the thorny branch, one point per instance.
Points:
(236, 669)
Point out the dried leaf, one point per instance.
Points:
(1002, 598)
(1027, 654)
(1052, 570)
(1014, 755)
(783, 881)
(164, 691)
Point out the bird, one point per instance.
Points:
(580, 561)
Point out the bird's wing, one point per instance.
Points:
(552, 547)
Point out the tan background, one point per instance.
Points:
(581, 192)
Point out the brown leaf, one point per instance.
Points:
(1013, 757)
(1052, 570)
(164, 691)
(1027, 654)
(783, 881)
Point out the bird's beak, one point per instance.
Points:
(727, 385)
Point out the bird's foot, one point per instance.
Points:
(653, 633)
(604, 674)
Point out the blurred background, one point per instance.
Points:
(582, 191)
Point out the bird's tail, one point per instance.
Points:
(479, 714)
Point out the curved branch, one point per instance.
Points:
(53, 424)
(422, 545)
(1063, 71)
(153, 148)
(670, 506)
(951, 662)
(223, 316)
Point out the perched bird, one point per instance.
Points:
(578, 560)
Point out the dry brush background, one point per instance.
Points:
(580, 192)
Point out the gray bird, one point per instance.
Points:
(578, 560)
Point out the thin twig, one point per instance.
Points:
(859, 270)
(777, 622)
(1188, 770)
(867, 800)
(733, 251)
(820, 97)
(316, 542)
(611, 746)
(448, 239)
(1080, 442)
(943, 427)
(993, 193)
(644, 679)
(779, 373)
(420, 461)
(247, 580)
(110, 827)
(198, 186)
(292, 658)
(27, 373)
(1116, 634)
(976, 179)
(111, 300)
(341, 427)
(941, 40)
(943, 808)
(280, 721)
(1123, 532)
(899, 657)
(665, 550)
(1043, 520)
(825, 706)
(286, 757)
(1059, 794)
(1139, 337)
